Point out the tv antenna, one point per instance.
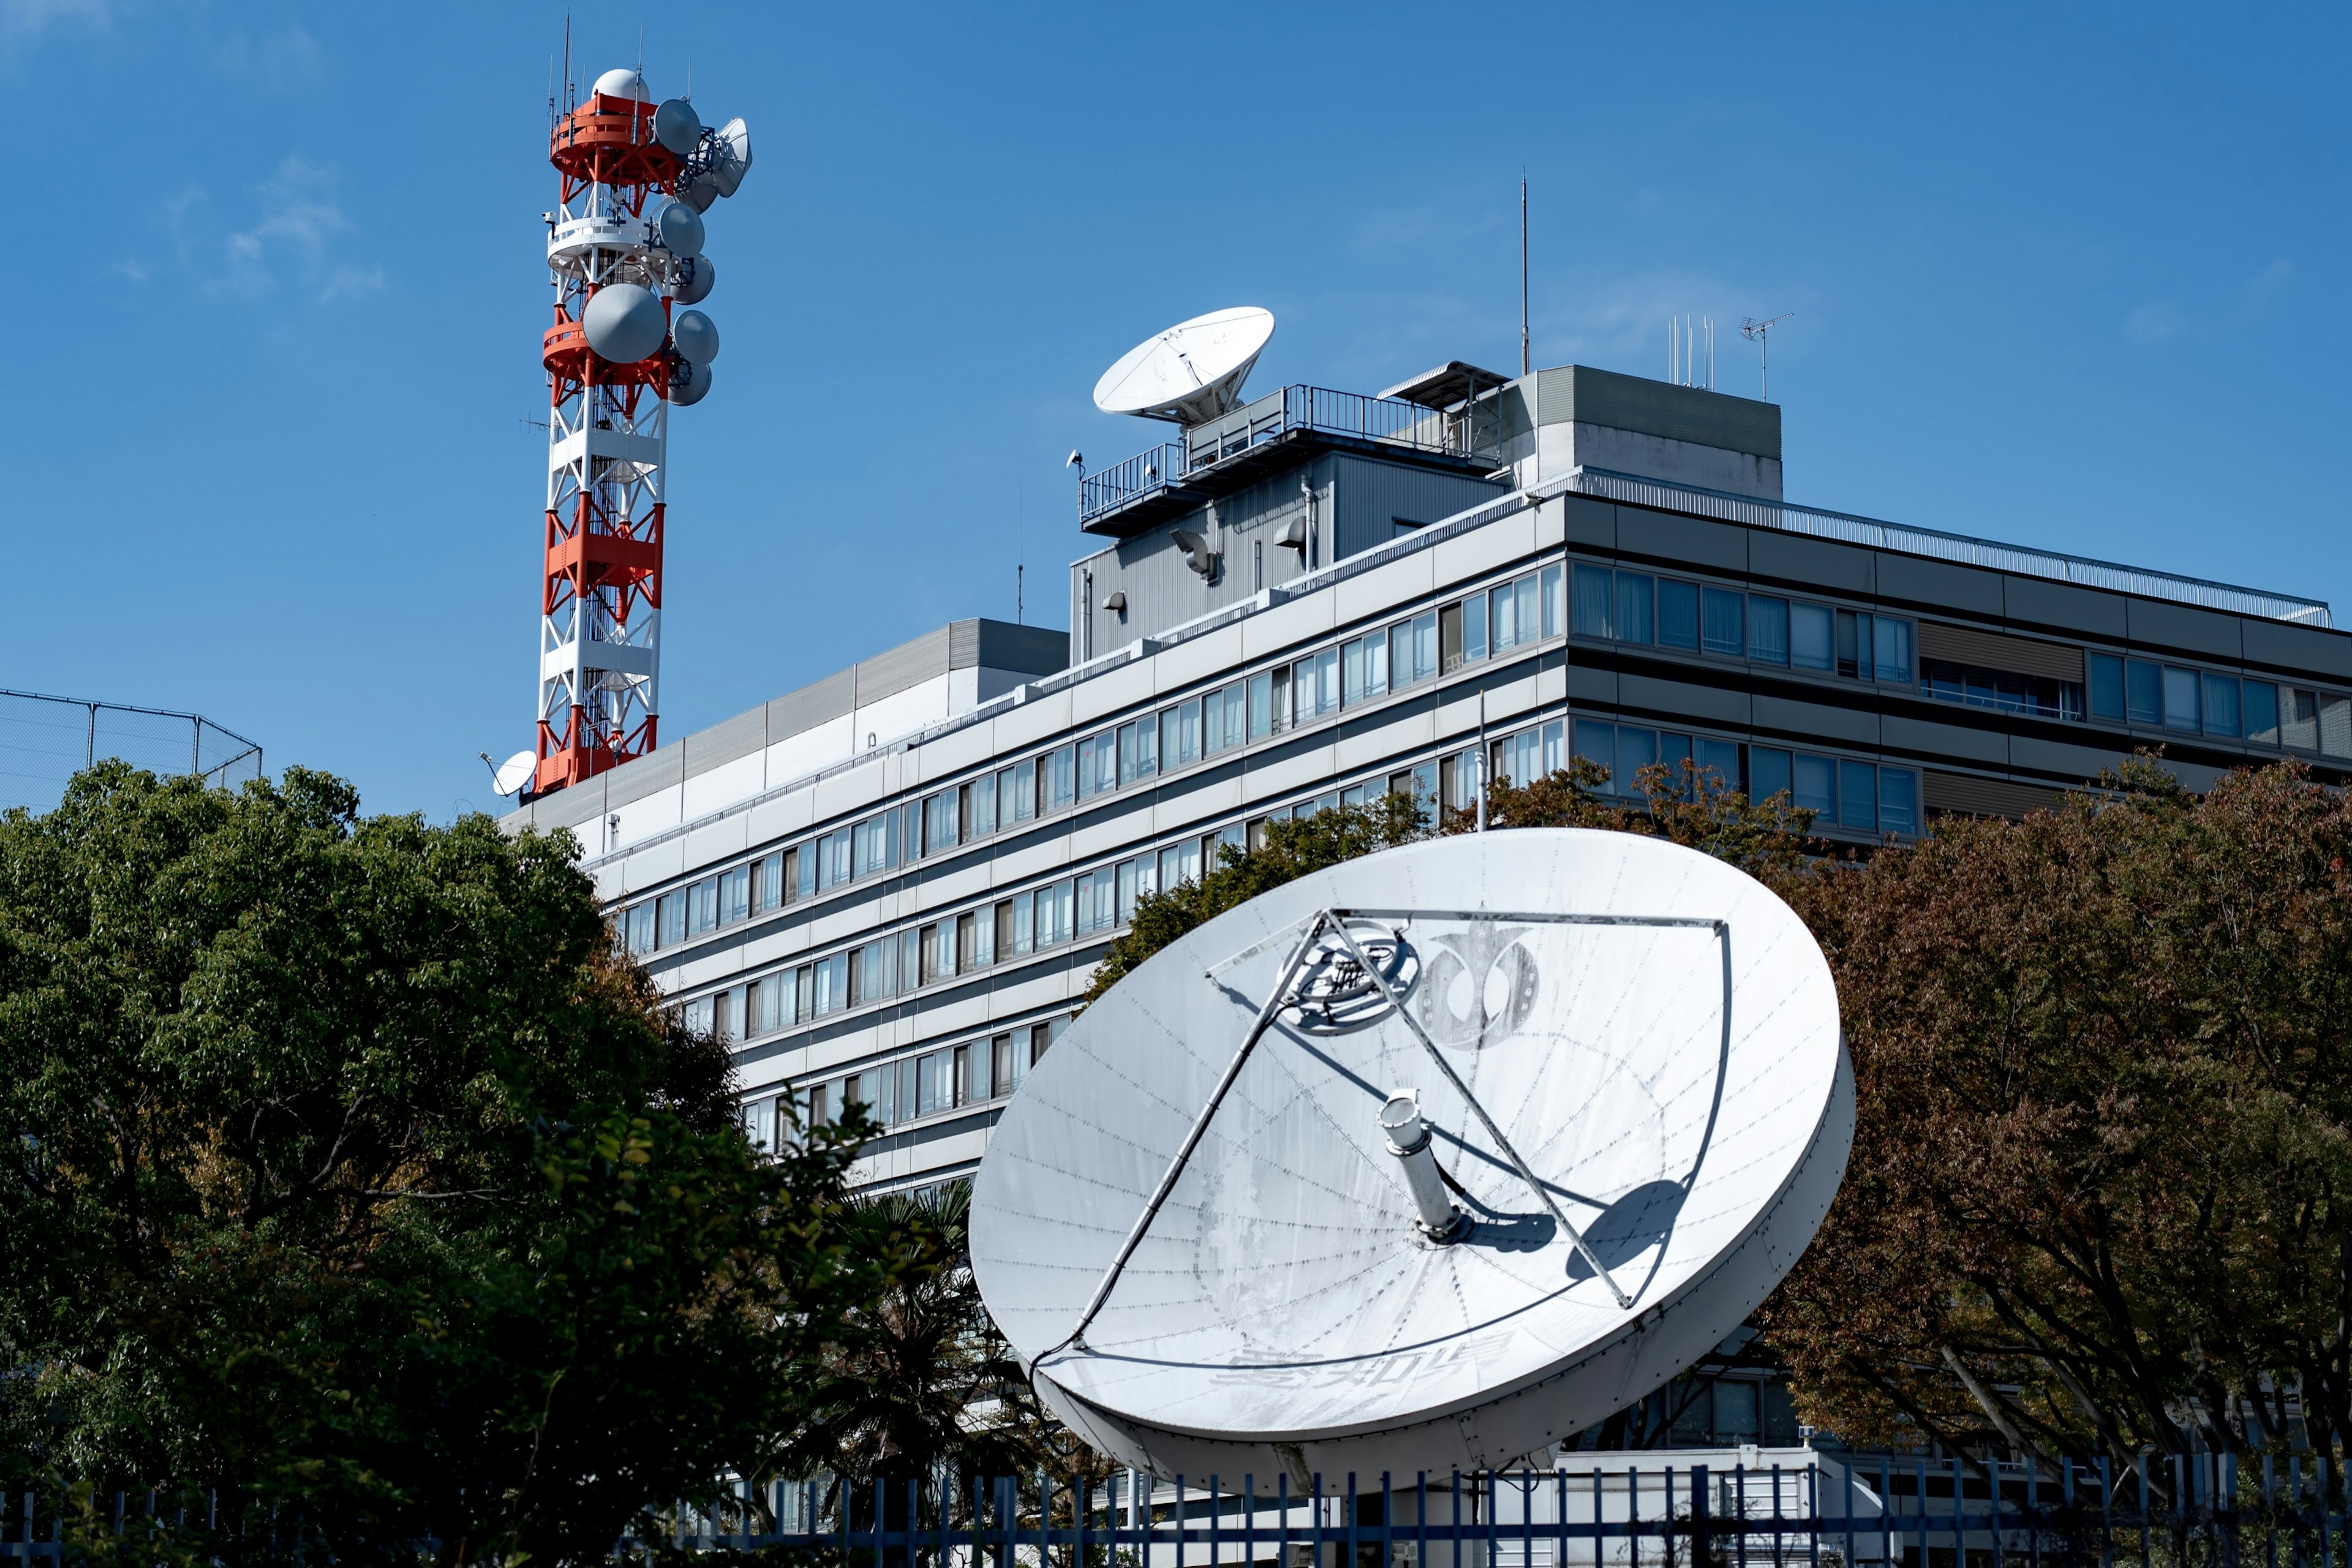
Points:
(1754, 331)
(1523, 272)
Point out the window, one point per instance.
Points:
(1097, 766)
(1261, 705)
(1024, 923)
(2144, 692)
(980, 808)
(873, 971)
(1853, 639)
(2107, 682)
(2180, 705)
(940, 822)
(1857, 796)
(1059, 787)
(1677, 613)
(1815, 786)
(2221, 707)
(702, 906)
(1767, 771)
(834, 860)
(1326, 687)
(2298, 727)
(768, 888)
(1054, 912)
(1007, 1066)
(1139, 751)
(639, 925)
(1134, 880)
(1017, 792)
(1592, 602)
(1597, 743)
(934, 1082)
(1179, 863)
(1474, 628)
(801, 865)
(1633, 598)
(832, 984)
(1720, 758)
(967, 943)
(1899, 800)
(1767, 630)
(1180, 734)
(1220, 719)
(1526, 755)
(1084, 903)
(1809, 637)
(1891, 640)
(2262, 714)
(871, 844)
(1550, 579)
(1723, 622)
(2334, 725)
(1503, 615)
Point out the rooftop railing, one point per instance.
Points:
(1382, 421)
(2024, 559)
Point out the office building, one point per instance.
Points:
(891, 886)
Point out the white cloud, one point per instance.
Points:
(292, 242)
(288, 60)
(29, 21)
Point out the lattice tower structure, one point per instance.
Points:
(607, 453)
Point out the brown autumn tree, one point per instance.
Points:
(2101, 1190)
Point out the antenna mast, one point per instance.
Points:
(1754, 331)
(1523, 272)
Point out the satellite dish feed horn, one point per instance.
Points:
(1191, 372)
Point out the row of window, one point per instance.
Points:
(1667, 612)
(1268, 703)
(1839, 791)
(973, 1073)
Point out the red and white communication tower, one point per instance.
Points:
(625, 248)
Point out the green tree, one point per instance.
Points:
(354, 1174)
(2101, 1190)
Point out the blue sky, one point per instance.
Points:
(2063, 275)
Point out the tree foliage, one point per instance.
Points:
(2101, 1190)
(354, 1174)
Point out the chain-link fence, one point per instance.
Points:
(45, 741)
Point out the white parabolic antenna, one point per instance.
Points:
(514, 772)
(1193, 371)
(1230, 1248)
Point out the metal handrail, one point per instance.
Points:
(1389, 421)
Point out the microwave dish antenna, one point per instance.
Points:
(1425, 1161)
(1193, 371)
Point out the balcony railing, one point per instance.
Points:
(1384, 421)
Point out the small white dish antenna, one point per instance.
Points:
(696, 337)
(680, 228)
(691, 278)
(1193, 371)
(514, 772)
(676, 126)
(1429, 1160)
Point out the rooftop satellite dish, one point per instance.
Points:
(514, 772)
(624, 83)
(1193, 371)
(1427, 1159)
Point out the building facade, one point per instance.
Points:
(891, 887)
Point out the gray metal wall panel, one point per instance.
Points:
(1578, 393)
(963, 645)
(1995, 650)
(570, 807)
(2298, 648)
(726, 741)
(2062, 606)
(812, 705)
(908, 664)
(1972, 796)
(1371, 496)
(1587, 684)
(2059, 757)
(1810, 562)
(1815, 721)
(2157, 624)
(1030, 650)
(1910, 580)
(1923, 737)
(1717, 546)
(1588, 522)
(635, 781)
(1677, 698)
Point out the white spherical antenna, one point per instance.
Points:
(514, 772)
(733, 156)
(695, 336)
(1428, 1160)
(624, 83)
(680, 228)
(1193, 371)
(676, 126)
(693, 388)
(624, 322)
(691, 279)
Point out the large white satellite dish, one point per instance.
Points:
(1193, 371)
(1224, 1256)
(514, 772)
